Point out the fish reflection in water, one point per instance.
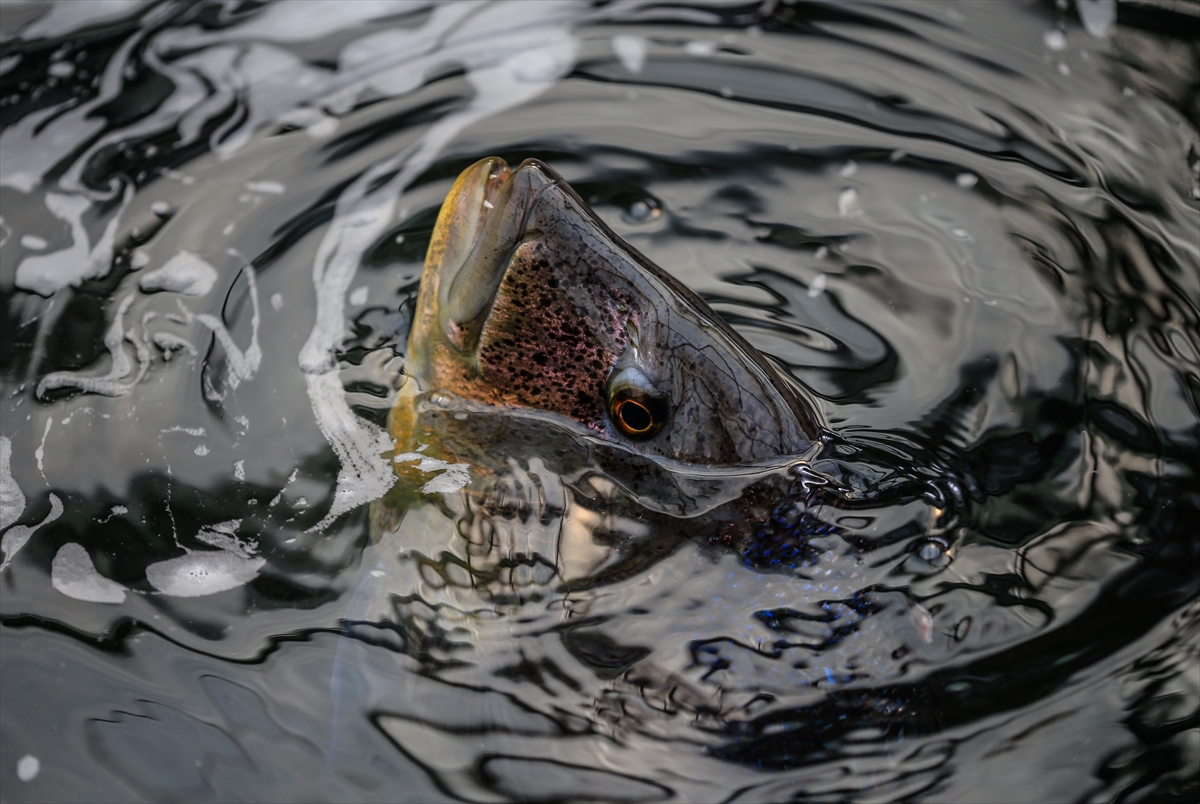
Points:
(896, 502)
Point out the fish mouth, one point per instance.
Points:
(482, 222)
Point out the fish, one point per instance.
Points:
(528, 300)
(591, 418)
(604, 413)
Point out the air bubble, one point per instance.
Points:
(932, 550)
(642, 210)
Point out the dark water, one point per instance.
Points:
(972, 230)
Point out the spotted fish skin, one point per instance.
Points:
(528, 300)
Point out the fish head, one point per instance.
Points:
(529, 301)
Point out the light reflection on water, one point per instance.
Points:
(971, 231)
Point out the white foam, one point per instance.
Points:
(170, 343)
(223, 535)
(46, 274)
(359, 296)
(241, 365)
(453, 477)
(239, 470)
(300, 20)
(62, 19)
(277, 301)
(265, 187)
(16, 537)
(631, 51)
(39, 454)
(110, 384)
(33, 242)
(73, 573)
(363, 475)
(184, 273)
(202, 573)
(12, 499)
(505, 71)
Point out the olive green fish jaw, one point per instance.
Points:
(481, 224)
(477, 198)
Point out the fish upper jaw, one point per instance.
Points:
(481, 224)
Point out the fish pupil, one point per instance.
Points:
(638, 416)
(635, 416)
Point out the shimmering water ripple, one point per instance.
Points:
(971, 230)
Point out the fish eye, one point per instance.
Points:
(633, 405)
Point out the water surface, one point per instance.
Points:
(971, 230)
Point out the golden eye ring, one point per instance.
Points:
(637, 415)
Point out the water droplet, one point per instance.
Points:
(1064, 68)
(631, 51)
(932, 550)
(817, 287)
(642, 210)
(33, 242)
(1097, 15)
(848, 203)
(28, 767)
(1055, 39)
(848, 169)
(701, 48)
(726, 92)
(62, 69)
(966, 180)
